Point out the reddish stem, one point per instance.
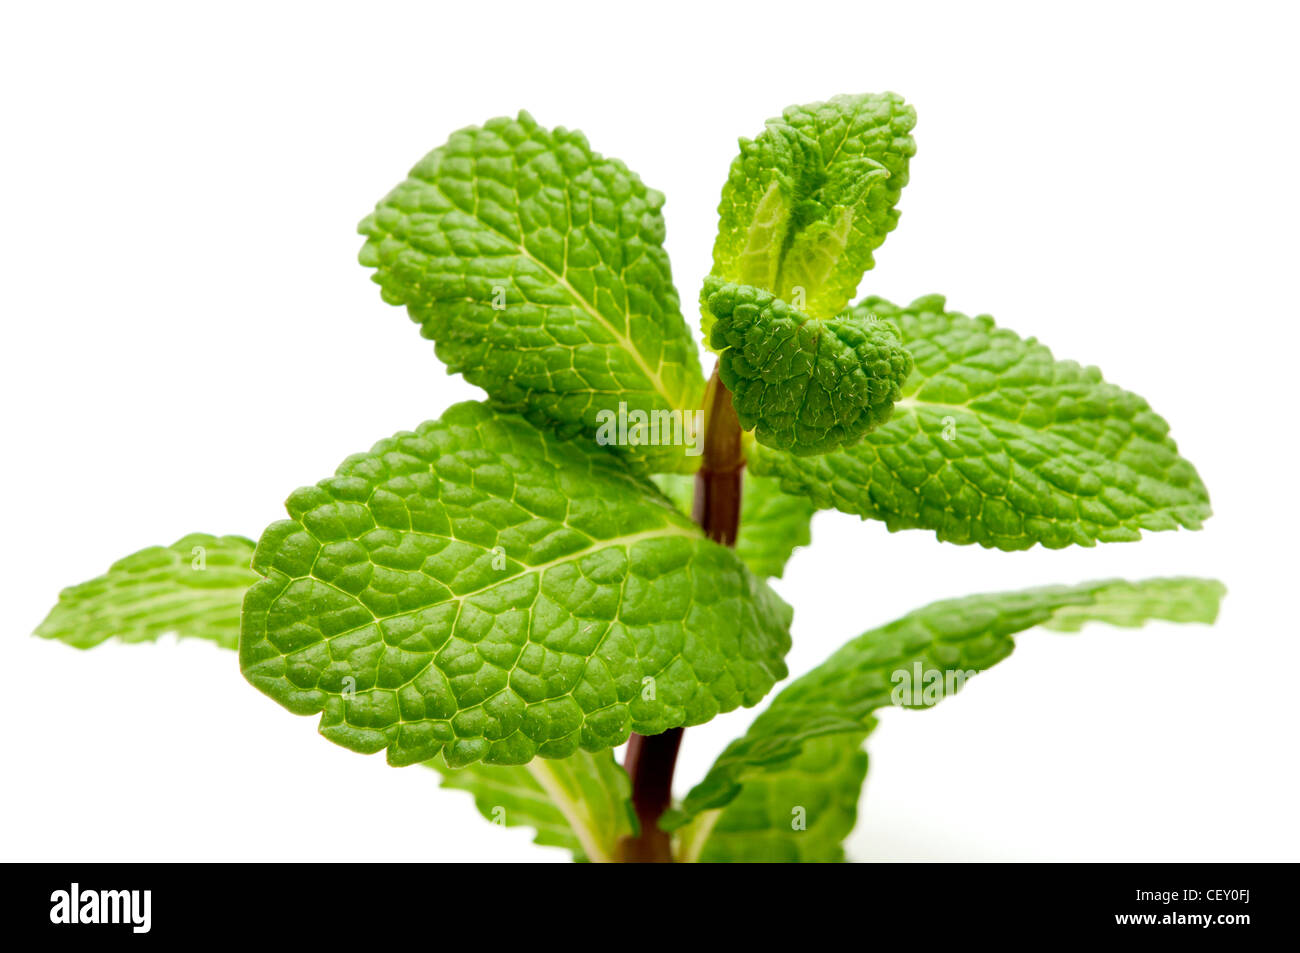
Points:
(651, 759)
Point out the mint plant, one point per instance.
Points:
(508, 593)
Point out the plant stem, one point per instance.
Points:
(651, 759)
(722, 465)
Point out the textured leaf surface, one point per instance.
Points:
(812, 196)
(487, 590)
(537, 267)
(799, 812)
(194, 588)
(996, 442)
(803, 384)
(773, 524)
(956, 635)
(582, 803)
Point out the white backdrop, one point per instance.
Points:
(188, 337)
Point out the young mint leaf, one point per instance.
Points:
(803, 384)
(485, 589)
(537, 267)
(582, 803)
(998, 443)
(773, 524)
(194, 587)
(798, 812)
(932, 650)
(812, 196)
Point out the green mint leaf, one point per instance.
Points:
(537, 267)
(806, 385)
(812, 196)
(488, 590)
(194, 588)
(797, 812)
(773, 524)
(998, 443)
(914, 661)
(582, 803)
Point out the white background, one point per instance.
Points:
(188, 337)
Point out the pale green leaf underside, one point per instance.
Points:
(537, 267)
(996, 442)
(955, 635)
(485, 589)
(582, 803)
(803, 384)
(799, 812)
(811, 197)
(194, 588)
(773, 524)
